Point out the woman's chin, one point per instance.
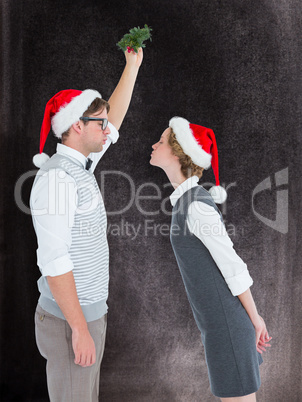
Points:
(152, 162)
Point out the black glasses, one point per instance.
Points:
(104, 121)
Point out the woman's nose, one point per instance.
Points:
(154, 146)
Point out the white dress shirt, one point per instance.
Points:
(53, 203)
(205, 223)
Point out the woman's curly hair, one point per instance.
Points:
(188, 168)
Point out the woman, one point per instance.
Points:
(216, 279)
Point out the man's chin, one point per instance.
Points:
(97, 149)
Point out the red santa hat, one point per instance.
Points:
(200, 144)
(61, 112)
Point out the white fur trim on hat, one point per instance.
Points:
(40, 159)
(218, 194)
(69, 114)
(185, 137)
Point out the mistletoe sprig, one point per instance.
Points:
(134, 40)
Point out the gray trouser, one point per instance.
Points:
(67, 381)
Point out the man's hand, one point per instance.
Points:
(64, 291)
(83, 347)
(134, 59)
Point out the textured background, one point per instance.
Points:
(233, 66)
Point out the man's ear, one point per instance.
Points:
(77, 127)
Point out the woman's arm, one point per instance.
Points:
(205, 223)
(262, 337)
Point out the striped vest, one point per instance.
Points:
(89, 247)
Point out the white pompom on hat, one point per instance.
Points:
(199, 143)
(61, 112)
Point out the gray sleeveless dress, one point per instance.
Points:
(227, 332)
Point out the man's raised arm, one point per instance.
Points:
(121, 96)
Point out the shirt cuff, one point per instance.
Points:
(59, 266)
(239, 283)
(114, 134)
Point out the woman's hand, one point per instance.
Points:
(262, 337)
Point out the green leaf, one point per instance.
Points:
(135, 38)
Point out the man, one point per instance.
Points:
(70, 223)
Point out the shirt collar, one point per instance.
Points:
(72, 153)
(182, 188)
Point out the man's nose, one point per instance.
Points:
(107, 131)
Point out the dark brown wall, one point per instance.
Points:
(231, 65)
